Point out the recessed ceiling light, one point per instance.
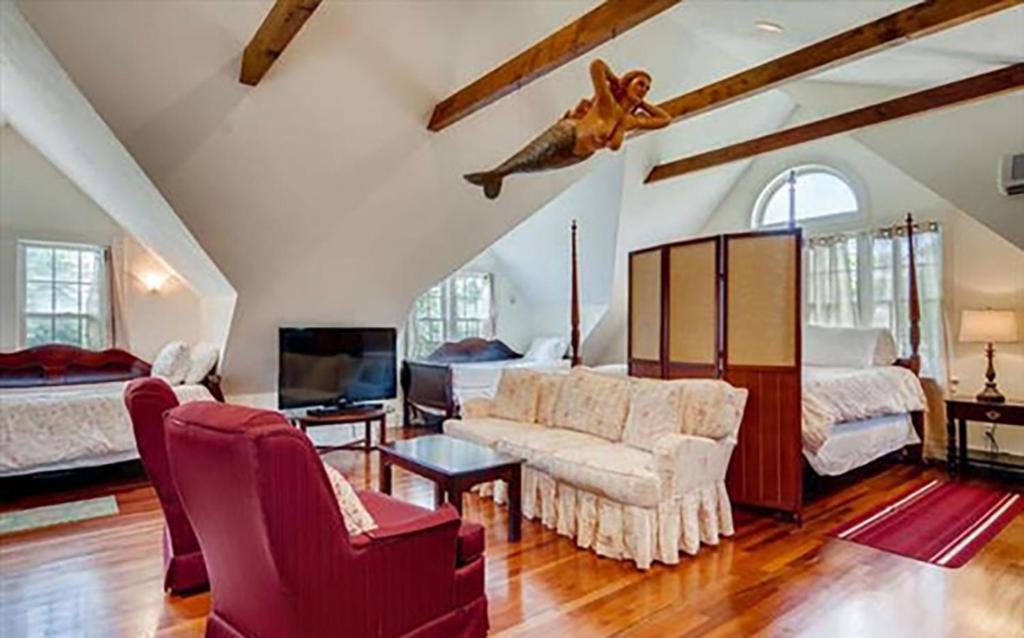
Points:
(768, 26)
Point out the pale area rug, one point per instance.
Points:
(37, 517)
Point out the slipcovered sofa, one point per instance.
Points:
(630, 468)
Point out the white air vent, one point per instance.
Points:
(1011, 174)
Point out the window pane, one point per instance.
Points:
(67, 298)
(777, 210)
(90, 265)
(95, 337)
(91, 300)
(820, 194)
(38, 263)
(817, 193)
(66, 330)
(38, 297)
(38, 331)
(67, 264)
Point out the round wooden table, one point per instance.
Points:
(368, 416)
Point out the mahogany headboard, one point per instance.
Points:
(56, 364)
(473, 350)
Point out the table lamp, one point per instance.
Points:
(988, 327)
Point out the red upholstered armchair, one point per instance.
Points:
(280, 559)
(147, 399)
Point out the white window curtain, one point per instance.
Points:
(830, 281)
(890, 292)
(860, 279)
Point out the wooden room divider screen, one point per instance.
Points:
(728, 307)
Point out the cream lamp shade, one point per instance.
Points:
(988, 326)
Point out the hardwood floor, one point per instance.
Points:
(102, 577)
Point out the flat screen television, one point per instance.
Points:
(335, 366)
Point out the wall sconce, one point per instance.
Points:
(153, 281)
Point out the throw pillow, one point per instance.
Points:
(357, 519)
(549, 389)
(172, 363)
(655, 409)
(712, 409)
(516, 399)
(204, 358)
(593, 403)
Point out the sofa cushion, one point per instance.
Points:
(593, 403)
(613, 470)
(533, 444)
(516, 398)
(485, 431)
(548, 391)
(711, 408)
(655, 409)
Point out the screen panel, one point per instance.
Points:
(693, 308)
(762, 282)
(645, 312)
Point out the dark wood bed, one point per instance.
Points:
(57, 364)
(427, 394)
(428, 397)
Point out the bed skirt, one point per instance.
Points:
(619, 531)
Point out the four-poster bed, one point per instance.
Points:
(729, 307)
(433, 389)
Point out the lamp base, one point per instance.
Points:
(991, 394)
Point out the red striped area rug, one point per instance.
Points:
(939, 522)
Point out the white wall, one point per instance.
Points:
(980, 268)
(38, 202)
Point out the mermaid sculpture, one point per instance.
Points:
(617, 108)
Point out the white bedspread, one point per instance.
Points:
(480, 380)
(58, 426)
(836, 395)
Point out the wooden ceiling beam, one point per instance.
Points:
(593, 29)
(986, 85)
(283, 21)
(913, 22)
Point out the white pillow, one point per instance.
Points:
(172, 364)
(547, 349)
(204, 358)
(358, 519)
(848, 347)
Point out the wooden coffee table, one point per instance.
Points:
(367, 416)
(455, 466)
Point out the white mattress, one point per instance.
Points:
(854, 444)
(63, 427)
(480, 380)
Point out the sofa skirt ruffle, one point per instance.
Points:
(619, 531)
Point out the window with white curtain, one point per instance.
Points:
(457, 308)
(63, 294)
(861, 279)
(805, 193)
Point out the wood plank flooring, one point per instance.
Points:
(102, 577)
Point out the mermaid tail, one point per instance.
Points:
(551, 149)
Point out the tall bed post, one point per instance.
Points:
(914, 301)
(575, 312)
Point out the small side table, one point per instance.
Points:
(960, 410)
(367, 416)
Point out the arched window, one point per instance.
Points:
(806, 193)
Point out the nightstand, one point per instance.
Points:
(960, 410)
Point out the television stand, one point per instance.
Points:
(342, 409)
(367, 414)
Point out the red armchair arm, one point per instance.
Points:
(445, 516)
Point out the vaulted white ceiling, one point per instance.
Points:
(321, 195)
